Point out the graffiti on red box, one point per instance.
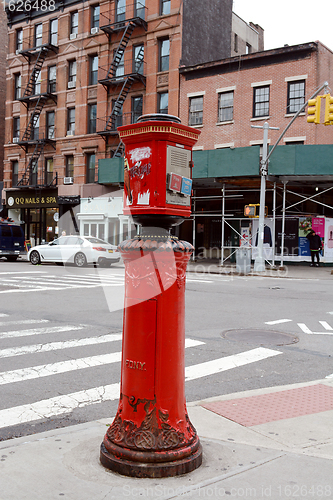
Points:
(137, 167)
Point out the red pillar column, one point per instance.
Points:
(151, 435)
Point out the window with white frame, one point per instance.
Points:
(296, 96)
(261, 101)
(195, 110)
(226, 106)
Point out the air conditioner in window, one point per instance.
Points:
(16, 139)
(93, 31)
(18, 51)
(70, 132)
(71, 85)
(72, 36)
(68, 180)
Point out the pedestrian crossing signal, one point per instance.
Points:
(250, 210)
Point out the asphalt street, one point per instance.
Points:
(60, 340)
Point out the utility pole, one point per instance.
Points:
(259, 263)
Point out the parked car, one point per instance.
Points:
(11, 241)
(78, 250)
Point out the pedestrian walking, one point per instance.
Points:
(315, 247)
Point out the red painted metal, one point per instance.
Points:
(151, 435)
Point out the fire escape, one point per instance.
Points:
(119, 77)
(34, 139)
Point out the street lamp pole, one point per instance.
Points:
(259, 263)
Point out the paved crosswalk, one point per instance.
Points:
(36, 281)
(25, 350)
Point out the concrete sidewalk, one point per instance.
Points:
(294, 271)
(269, 443)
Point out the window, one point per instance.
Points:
(19, 40)
(16, 128)
(48, 170)
(163, 102)
(54, 31)
(50, 119)
(38, 35)
(95, 16)
(35, 130)
(93, 65)
(70, 121)
(120, 68)
(121, 10)
(165, 7)
(117, 117)
(260, 101)
(138, 56)
(69, 166)
(74, 29)
(15, 171)
(52, 77)
(296, 96)
(236, 42)
(137, 104)
(90, 168)
(226, 107)
(140, 8)
(71, 74)
(17, 86)
(164, 51)
(92, 113)
(196, 111)
(38, 81)
(248, 48)
(34, 173)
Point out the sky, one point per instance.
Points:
(288, 21)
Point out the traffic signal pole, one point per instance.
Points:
(259, 263)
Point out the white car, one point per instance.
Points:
(78, 250)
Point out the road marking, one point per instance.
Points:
(54, 346)
(24, 272)
(58, 405)
(40, 331)
(53, 288)
(66, 403)
(199, 281)
(329, 376)
(33, 372)
(277, 321)
(3, 315)
(326, 325)
(22, 374)
(23, 322)
(222, 364)
(305, 329)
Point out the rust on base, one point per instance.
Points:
(148, 469)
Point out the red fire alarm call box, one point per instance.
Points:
(157, 166)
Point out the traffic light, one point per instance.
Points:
(328, 120)
(314, 110)
(250, 210)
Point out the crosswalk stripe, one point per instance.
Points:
(54, 346)
(23, 322)
(68, 402)
(33, 372)
(53, 288)
(58, 405)
(219, 365)
(277, 321)
(40, 331)
(22, 374)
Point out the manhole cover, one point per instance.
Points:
(261, 337)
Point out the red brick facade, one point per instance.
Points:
(274, 69)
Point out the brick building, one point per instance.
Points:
(77, 71)
(225, 99)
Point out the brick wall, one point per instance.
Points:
(314, 69)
